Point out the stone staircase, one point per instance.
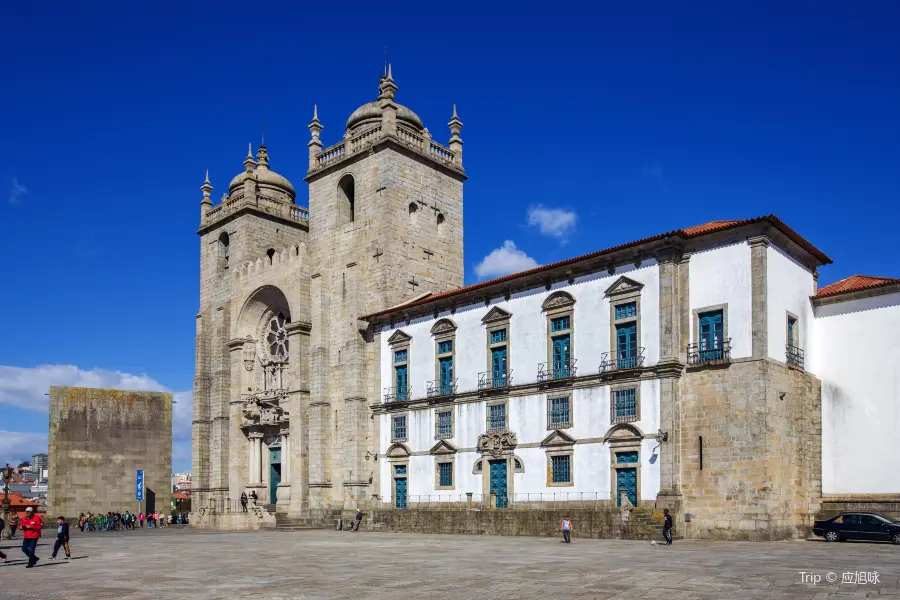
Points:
(644, 523)
(286, 523)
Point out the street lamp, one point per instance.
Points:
(7, 472)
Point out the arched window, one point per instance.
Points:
(224, 252)
(413, 213)
(440, 223)
(270, 253)
(346, 200)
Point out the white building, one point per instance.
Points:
(668, 372)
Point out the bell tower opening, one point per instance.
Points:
(346, 199)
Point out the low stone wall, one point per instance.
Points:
(888, 506)
(588, 523)
(238, 521)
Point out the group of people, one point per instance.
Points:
(116, 521)
(31, 532)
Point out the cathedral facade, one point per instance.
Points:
(341, 364)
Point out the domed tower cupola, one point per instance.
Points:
(370, 114)
(268, 182)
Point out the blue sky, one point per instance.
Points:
(585, 126)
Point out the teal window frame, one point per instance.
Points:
(445, 347)
(626, 310)
(401, 356)
(494, 414)
(625, 404)
(561, 468)
(563, 323)
(559, 412)
(445, 474)
(399, 431)
(498, 336)
(444, 423)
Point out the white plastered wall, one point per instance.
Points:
(789, 286)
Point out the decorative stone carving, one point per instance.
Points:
(443, 326)
(623, 285)
(496, 314)
(496, 442)
(398, 337)
(258, 411)
(249, 353)
(558, 300)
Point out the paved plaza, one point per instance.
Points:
(179, 563)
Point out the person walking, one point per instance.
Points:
(243, 501)
(667, 526)
(141, 518)
(31, 533)
(13, 525)
(356, 521)
(566, 528)
(62, 538)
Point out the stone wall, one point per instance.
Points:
(99, 438)
(761, 429)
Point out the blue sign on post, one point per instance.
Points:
(139, 487)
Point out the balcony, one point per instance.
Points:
(490, 380)
(622, 361)
(396, 394)
(794, 356)
(717, 354)
(438, 388)
(556, 370)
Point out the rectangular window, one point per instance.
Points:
(792, 331)
(498, 367)
(623, 311)
(627, 457)
(398, 428)
(401, 380)
(400, 470)
(498, 336)
(560, 412)
(561, 356)
(400, 356)
(560, 323)
(445, 423)
(445, 474)
(496, 417)
(625, 405)
(445, 347)
(711, 335)
(445, 367)
(561, 467)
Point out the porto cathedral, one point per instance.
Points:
(341, 364)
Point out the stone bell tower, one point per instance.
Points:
(386, 226)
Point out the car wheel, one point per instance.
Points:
(896, 538)
(832, 536)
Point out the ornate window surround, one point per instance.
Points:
(400, 340)
(495, 320)
(444, 452)
(559, 443)
(623, 291)
(559, 304)
(444, 330)
(571, 422)
(624, 437)
(437, 432)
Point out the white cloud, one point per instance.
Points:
(552, 222)
(16, 446)
(26, 388)
(16, 190)
(504, 260)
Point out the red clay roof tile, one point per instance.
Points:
(854, 283)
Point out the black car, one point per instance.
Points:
(858, 526)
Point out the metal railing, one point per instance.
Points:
(439, 387)
(525, 501)
(494, 379)
(709, 355)
(397, 394)
(619, 361)
(794, 356)
(562, 369)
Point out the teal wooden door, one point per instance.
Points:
(498, 482)
(274, 473)
(626, 345)
(400, 486)
(711, 334)
(401, 382)
(626, 479)
(561, 356)
(498, 367)
(446, 369)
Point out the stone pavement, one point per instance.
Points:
(179, 563)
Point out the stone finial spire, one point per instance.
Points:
(386, 87)
(249, 163)
(315, 144)
(456, 142)
(262, 157)
(206, 203)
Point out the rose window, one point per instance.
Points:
(277, 338)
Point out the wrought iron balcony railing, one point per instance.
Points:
(562, 369)
(494, 379)
(709, 354)
(440, 387)
(794, 356)
(622, 360)
(397, 394)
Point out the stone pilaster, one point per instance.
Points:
(759, 295)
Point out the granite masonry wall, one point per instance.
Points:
(99, 438)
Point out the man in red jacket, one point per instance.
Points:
(31, 526)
